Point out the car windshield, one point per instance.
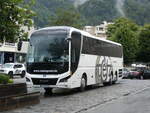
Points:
(133, 69)
(125, 69)
(7, 65)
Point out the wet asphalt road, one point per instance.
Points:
(93, 100)
(135, 103)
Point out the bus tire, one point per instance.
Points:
(113, 82)
(83, 83)
(48, 91)
(106, 83)
(111, 79)
(116, 78)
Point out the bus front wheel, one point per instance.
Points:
(83, 84)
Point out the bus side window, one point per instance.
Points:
(73, 60)
(75, 50)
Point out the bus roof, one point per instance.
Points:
(67, 28)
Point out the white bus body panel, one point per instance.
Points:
(87, 65)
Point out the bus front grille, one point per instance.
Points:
(41, 81)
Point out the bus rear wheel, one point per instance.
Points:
(106, 83)
(48, 91)
(116, 78)
(110, 80)
(83, 84)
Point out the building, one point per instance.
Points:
(9, 52)
(99, 30)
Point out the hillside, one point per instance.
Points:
(46, 8)
(94, 11)
(138, 10)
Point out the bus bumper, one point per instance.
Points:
(64, 85)
(31, 83)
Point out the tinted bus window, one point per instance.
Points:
(101, 48)
(75, 50)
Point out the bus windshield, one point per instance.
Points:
(48, 52)
(48, 47)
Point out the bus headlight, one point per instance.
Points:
(28, 80)
(65, 79)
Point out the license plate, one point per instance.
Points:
(18, 72)
(44, 86)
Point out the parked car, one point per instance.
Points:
(13, 69)
(135, 73)
(125, 73)
(146, 74)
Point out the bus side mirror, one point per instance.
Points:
(19, 45)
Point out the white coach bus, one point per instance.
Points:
(65, 57)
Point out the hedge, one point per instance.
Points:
(4, 79)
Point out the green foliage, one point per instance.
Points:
(144, 43)
(47, 8)
(12, 18)
(10, 81)
(125, 31)
(138, 10)
(93, 11)
(4, 79)
(96, 11)
(66, 18)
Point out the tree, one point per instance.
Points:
(144, 42)
(125, 31)
(13, 18)
(96, 11)
(47, 8)
(66, 18)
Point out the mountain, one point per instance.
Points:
(46, 8)
(138, 10)
(94, 11)
(99, 10)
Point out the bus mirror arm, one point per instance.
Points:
(68, 39)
